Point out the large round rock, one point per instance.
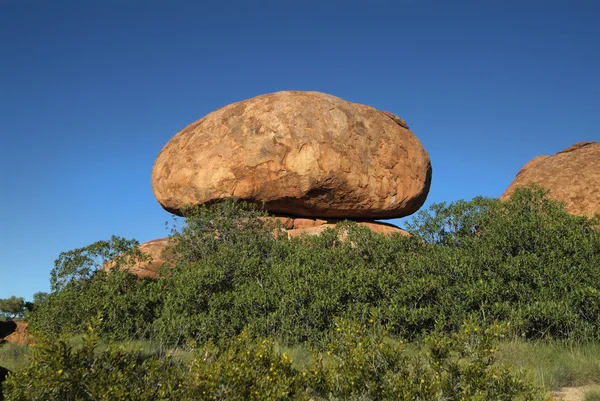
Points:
(297, 153)
(571, 175)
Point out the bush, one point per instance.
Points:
(12, 307)
(360, 362)
(525, 261)
(60, 372)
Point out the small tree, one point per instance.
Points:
(12, 307)
(80, 264)
(39, 298)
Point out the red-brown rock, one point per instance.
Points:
(571, 175)
(304, 154)
(20, 335)
(296, 226)
(155, 249)
(380, 228)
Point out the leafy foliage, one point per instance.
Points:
(12, 307)
(347, 295)
(525, 261)
(79, 264)
(359, 362)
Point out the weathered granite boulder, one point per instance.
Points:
(20, 335)
(305, 154)
(571, 175)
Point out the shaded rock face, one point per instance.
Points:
(571, 175)
(304, 154)
(155, 249)
(20, 335)
(7, 328)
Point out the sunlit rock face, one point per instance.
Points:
(302, 154)
(146, 268)
(572, 176)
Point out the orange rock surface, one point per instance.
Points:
(571, 175)
(143, 269)
(304, 154)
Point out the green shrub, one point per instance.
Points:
(12, 356)
(525, 261)
(60, 372)
(592, 395)
(12, 307)
(359, 362)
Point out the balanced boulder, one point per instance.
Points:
(304, 154)
(571, 175)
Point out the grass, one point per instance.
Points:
(551, 364)
(592, 395)
(554, 364)
(14, 357)
(300, 356)
(146, 349)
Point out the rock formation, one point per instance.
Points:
(572, 176)
(308, 158)
(155, 249)
(20, 335)
(296, 227)
(303, 154)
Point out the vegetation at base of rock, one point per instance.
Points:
(554, 364)
(358, 362)
(235, 292)
(525, 262)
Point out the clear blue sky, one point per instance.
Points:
(90, 92)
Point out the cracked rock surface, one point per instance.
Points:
(572, 176)
(303, 154)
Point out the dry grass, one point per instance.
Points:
(554, 365)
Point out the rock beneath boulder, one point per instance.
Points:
(290, 223)
(155, 249)
(296, 227)
(571, 175)
(304, 154)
